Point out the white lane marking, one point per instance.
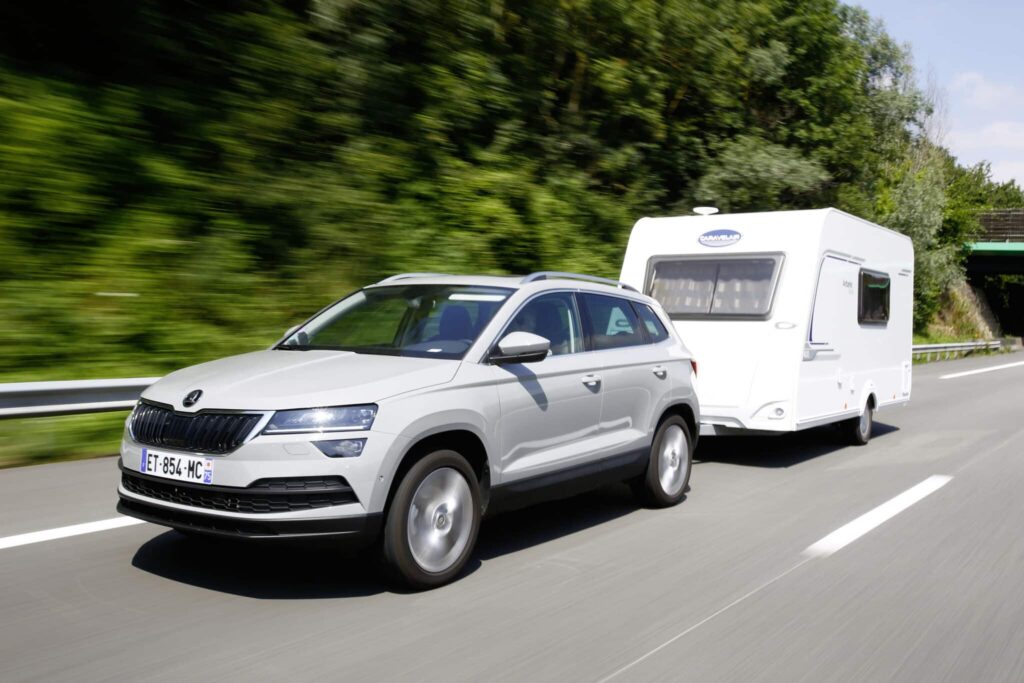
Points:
(65, 531)
(978, 372)
(849, 533)
(704, 621)
(837, 539)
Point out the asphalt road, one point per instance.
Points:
(718, 588)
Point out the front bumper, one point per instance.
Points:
(358, 529)
(252, 493)
(266, 509)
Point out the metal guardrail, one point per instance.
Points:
(35, 399)
(926, 351)
(38, 399)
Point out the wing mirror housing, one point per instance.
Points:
(521, 347)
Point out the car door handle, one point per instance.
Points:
(591, 380)
(659, 371)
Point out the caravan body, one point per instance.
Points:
(795, 318)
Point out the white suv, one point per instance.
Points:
(406, 410)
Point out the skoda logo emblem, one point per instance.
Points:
(192, 398)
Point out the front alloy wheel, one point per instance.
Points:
(433, 521)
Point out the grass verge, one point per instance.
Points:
(35, 440)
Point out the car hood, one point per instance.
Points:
(279, 380)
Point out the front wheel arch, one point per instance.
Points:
(462, 441)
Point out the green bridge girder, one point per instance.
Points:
(995, 258)
(997, 248)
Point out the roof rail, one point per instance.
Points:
(555, 275)
(405, 276)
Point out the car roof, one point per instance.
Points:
(510, 281)
(535, 282)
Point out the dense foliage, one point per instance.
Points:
(181, 181)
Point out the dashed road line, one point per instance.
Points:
(67, 531)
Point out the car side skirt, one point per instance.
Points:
(567, 482)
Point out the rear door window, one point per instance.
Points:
(738, 287)
(611, 322)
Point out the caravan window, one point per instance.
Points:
(740, 287)
(874, 298)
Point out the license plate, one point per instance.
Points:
(180, 467)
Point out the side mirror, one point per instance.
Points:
(291, 331)
(521, 347)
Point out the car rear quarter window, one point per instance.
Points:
(656, 332)
(612, 322)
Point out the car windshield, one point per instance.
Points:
(427, 321)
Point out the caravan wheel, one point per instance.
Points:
(858, 429)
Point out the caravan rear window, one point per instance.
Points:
(728, 288)
(873, 298)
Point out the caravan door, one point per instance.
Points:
(825, 380)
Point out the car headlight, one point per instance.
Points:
(321, 420)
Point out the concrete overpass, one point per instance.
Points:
(999, 250)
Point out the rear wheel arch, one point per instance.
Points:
(868, 397)
(685, 411)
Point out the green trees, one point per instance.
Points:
(231, 166)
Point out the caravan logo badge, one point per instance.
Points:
(719, 238)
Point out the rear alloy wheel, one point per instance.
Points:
(433, 522)
(858, 429)
(668, 468)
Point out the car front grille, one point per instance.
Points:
(155, 425)
(261, 497)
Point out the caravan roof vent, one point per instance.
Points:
(705, 210)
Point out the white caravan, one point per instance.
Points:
(795, 318)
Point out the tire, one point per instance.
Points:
(857, 430)
(667, 478)
(431, 527)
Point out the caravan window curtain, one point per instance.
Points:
(684, 287)
(740, 287)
